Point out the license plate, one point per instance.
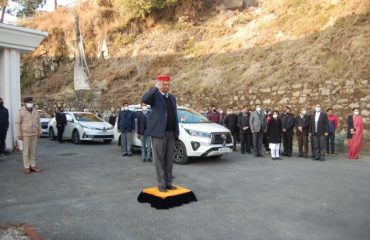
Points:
(224, 150)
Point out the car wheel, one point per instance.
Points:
(52, 134)
(180, 153)
(76, 137)
(108, 141)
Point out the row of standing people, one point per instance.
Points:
(272, 129)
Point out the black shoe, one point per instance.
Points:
(130, 155)
(317, 159)
(171, 187)
(149, 160)
(259, 155)
(144, 160)
(162, 189)
(300, 155)
(125, 154)
(242, 152)
(274, 158)
(279, 158)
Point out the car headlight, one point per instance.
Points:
(198, 133)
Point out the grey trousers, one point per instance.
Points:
(163, 155)
(257, 143)
(126, 142)
(319, 145)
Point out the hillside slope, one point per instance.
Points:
(214, 51)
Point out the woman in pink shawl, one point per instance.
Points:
(355, 134)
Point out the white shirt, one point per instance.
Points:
(317, 116)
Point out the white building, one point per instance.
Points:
(13, 42)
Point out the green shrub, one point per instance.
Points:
(132, 9)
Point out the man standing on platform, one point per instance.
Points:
(4, 126)
(163, 127)
(28, 130)
(61, 120)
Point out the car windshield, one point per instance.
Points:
(44, 114)
(190, 116)
(87, 117)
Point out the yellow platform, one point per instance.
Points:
(166, 200)
(155, 192)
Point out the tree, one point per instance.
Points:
(3, 4)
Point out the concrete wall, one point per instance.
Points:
(10, 89)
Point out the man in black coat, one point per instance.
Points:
(287, 127)
(61, 120)
(4, 126)
(302, 123)
(245, 131)
(231, 122)
(319, 128)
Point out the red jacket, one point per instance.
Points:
(333, 123)
(214, 116)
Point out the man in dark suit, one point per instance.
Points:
(231, 122)
(319, 128)
(302, 123)
(125, 125)
(61, 120)
(245, 131)
(287, 127)
(4, 126)
(146, 142)
(163, 127)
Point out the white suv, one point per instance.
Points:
(198, 136)
(83, 126)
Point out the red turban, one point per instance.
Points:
(164, 78)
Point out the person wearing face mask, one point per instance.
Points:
(245, 131)
(231, 122)
(266, 142)
(146, 143)
(4, 126)
(319, 128)
(287, 125)
(28, 130)
(61, 119)
(274, 135)
(125, 125)
(163, 127)
(302, 129)
(355, 134)
(214, 115)
(333, 125)
(257, 124)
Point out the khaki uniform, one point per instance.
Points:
(28, 129)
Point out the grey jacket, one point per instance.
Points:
(257, 121)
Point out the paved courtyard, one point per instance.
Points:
(89, 191)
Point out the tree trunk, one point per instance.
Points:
(2, 14)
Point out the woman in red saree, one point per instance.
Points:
(355, 134)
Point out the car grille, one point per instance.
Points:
(44, 125)
(103, 136)
(216, 138)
